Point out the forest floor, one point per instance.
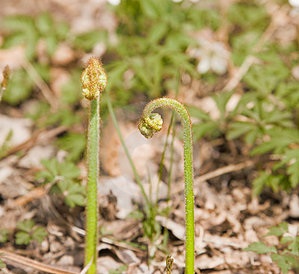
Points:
(227, 216)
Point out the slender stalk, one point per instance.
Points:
(136, 175)
(91, 239)
(151, 123)
(94, 82)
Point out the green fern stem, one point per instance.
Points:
(91, 238)
(151, 123)
(93, 81)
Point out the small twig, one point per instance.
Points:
(4, 83)
(240, 72)
(223, 170)
(37, 137)
(169, 263)
(216, 173)
(41, 84)
(119, 244)
(7, 256)
(34, 194)
(85, 269)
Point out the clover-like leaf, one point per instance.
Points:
(260, 248)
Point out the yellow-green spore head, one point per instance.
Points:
(151, 124)
(93, 79)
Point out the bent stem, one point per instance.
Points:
(151, 123)
(93, 81)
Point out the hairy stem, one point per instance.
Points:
(151, 123)
(93, 81)
(91, 238)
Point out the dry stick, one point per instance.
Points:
(4, 83)
(36, 138)
(169, 263)
(32, 195)
(13, 258)
(119, 244)
(250, 59)
(241, 71)
(46, 91)
(216, 173)
(223, 170)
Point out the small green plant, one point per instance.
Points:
(208, 126)
(286, 253)
(250, 21)
(19, 88)
(94, 81)
(28, 231)
(63, 178)
(149, 124)
(120, 270)
(3, 236)
(159, 45)
(2, 264)
(264, 119)
(29, 31)
(5, 146)
(74, 144)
